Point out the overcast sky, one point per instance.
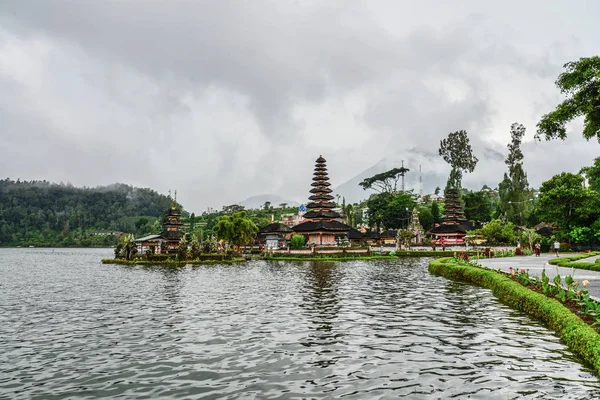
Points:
(223, 100)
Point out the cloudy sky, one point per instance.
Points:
(223, 100)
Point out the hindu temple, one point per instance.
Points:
(454, 225)
(322, 225)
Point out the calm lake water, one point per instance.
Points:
(71, 327)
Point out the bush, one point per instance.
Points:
(297, 242)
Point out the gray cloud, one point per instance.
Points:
(228, 99)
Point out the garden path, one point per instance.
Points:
(535, 265)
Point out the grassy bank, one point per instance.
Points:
(332, 258)
(574, 332)
(170, 263)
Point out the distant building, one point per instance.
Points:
(168, 240)
(290, 219)
(275, 235)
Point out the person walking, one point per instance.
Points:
(556, 247)
(538, 248)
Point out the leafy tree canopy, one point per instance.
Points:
(581, 84)
(564, 200)
(514, 188)
(385, 182)
(236, 229)
(457, 152)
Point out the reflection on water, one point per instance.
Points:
(72, 327)
(321, 306)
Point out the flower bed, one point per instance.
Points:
(568, 262)
(560, 306)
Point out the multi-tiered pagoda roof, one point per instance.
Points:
(454, 221)
(321, 215)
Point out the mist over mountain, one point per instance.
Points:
(434, 172)
(259, 200)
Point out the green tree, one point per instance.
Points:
(376, 206)
(581, 84)
(478, 207)
(182, 249)
(425, 217)
(397, 212)
(385, 182)
(436, 212)
(514, 188)
(237, 229)
(195, 250)
(129, 247)
(498, 232)
(457, 152)
(530, 236)
(297, 242)
(592, 173)
(563, 199)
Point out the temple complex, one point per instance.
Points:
(322, 225)
(454, 225)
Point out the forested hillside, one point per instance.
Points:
(40, 213)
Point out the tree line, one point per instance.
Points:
(41, 213)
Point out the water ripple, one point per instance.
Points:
(71, 327)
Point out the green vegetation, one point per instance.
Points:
(568, 262)
(498, 232)
(297, 241)
(236, 229)
(457, 152)
(514, 190)
(580, 337)
(40, 213)
(581, 82)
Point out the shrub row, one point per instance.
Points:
(575, 333)
(427, 253)
(569, 261)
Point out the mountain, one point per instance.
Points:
(433, 173)
(260, 200)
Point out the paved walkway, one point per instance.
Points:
(535, 265)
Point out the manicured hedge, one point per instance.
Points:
(576, 334)
(569, 261)
(427, 253)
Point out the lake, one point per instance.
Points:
(71, 327)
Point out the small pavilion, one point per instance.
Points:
(274, 236)
(168, 240)
(322, 225)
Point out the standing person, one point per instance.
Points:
(538, 248)
(443, 243)
(556, 246)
